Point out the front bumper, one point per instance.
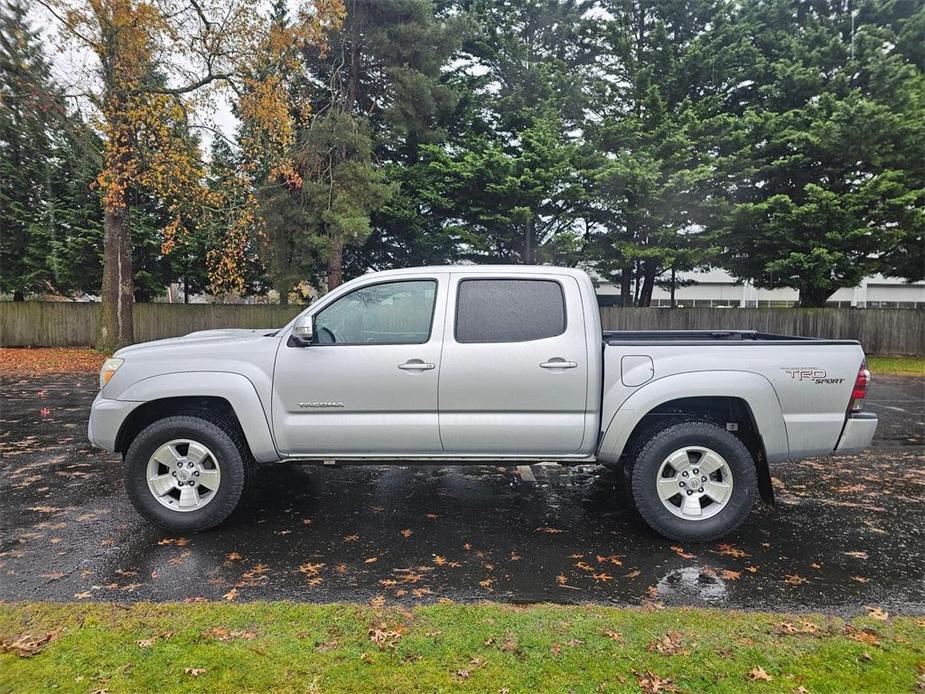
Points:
(106, 418)
(858, 432)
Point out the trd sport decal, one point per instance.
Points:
(813, 374)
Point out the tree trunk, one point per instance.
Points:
(673, 286)
(19, 295)
(528, 241)
(116, 325)
(648, 284)
(283, 291)
(336, 263)
(814, 297)
(626, 286)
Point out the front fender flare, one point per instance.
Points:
(233, 387)
(754, 389)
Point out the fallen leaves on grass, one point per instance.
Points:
(804, 628)
(757, 674)
(613, 635)
(866, 635)
(386, 637)
(877, 613)
(28, 645)
(669, 643)
(650, 683)
(194, 671)
(224, 635)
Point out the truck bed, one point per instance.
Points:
(692, 337)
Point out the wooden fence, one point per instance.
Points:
(62, 324)
(881, 331)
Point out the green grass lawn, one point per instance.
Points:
(485, 648)
(896, 366)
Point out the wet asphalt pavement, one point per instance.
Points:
(847, 531)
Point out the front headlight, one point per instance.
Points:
(110, 366)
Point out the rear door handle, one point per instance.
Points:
(416, 365)
(558, 363)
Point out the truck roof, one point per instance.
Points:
(487, 270)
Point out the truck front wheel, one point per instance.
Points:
(186, 473)
(694, 481)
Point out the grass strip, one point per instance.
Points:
(896, 365)
(283, 646)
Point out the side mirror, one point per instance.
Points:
(303, 332)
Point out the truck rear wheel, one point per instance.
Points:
(186, 473)
(694, 481)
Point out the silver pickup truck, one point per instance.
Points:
(478, 363)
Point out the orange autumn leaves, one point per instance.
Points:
(37, 361)
(157, 64)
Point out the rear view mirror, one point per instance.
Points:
(303, 332)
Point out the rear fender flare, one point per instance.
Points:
(754, 389)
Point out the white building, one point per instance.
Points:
(716, 287)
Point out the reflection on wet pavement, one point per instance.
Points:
(846, 532)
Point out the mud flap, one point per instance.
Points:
(765, 488)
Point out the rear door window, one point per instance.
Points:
(509, 310)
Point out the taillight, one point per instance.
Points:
(859, 392)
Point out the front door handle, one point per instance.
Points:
(416, 365)
(558, 363)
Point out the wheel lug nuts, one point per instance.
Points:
(682, 484)
(191, 483)
(174, 473)
(179, 464)
(684, 474)
(189, 465)
(689, 492)
(696, 471)
(196, 473)
(703, 479)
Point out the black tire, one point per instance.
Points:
(662, 444)
(230, 452)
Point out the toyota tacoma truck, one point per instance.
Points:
(461, 364)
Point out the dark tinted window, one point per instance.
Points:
(509, 310)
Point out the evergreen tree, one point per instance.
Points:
(825, 183)
(31, 113)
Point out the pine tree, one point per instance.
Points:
(826, 184)
(31, 115)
